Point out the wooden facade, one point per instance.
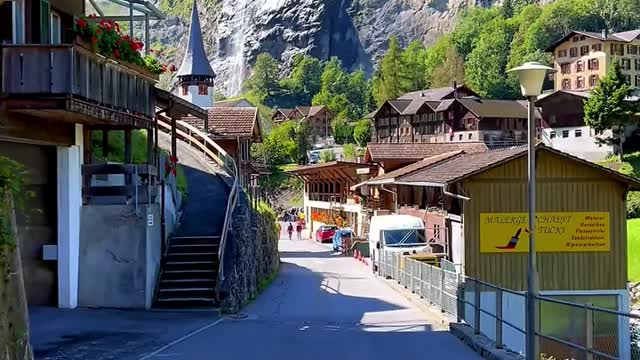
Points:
(563, 186)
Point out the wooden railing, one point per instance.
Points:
(199, 140)
(138, 184)
(62, 70)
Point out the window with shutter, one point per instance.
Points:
(45, 18)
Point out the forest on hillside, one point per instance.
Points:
(484, 44)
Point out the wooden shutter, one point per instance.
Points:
(45, 21)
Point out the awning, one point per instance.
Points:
(331, 171)
(176, 107)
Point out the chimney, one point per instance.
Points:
(604, 34)
(421, 93)
(455, 89)
(455, 84)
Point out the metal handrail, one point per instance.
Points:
(203, 141)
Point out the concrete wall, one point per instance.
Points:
(119, 256)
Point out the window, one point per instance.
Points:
(580, 82)
(596, 47)
(185, 89)
(625, 64)
(552, 119)
(617, 49)
(203, 89)
(627, 79)
(579, 66)
(584, 50)
(578, 133)
(562, 53)
(55, 28)
(582, 38)
(638, 64)
(566, 84)
(552, 134)
(460, 137)
(12, 24)
(632, 49)
(573, 52)
(593, 80)
(470, 136)
(565, 133)
(565, 68)
(593, 64)
(576, 38)
(637, 80)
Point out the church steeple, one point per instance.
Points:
(195, 76)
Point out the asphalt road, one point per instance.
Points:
(321, 306)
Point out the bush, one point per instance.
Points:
(327, 156)
(633, 205)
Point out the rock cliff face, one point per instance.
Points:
(237, 31)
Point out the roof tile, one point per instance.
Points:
(419, 151)
(228, 121)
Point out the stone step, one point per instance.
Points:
(191, 265)
(186, 302)
(192, 257)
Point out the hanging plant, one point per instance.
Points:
(170, 166)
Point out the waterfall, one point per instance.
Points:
(238, 60)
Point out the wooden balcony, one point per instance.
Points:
(74, 84)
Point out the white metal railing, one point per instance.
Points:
(196, 138)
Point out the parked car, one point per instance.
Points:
(338, 238)
(325, 233)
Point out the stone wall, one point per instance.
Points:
(251, 256)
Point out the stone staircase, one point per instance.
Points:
(189, 273)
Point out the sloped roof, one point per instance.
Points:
(467, 165)
(390, 176)
(229, 121)
(418, 151)
(399, 104)
(416, 104)
(485, 108)
(626, 36)
(434, 94)
(195, 60)
(231, 103)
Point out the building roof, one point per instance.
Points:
(544, 97)
(230, 122)
(626, 36)
(405, 170)
(310, 110)
(486, 108)
(343, 170)
(466, 165)
(434, 94)
(377, 152)
(195, 60)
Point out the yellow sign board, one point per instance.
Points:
(555, 232)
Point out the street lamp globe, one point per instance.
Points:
(531, 76)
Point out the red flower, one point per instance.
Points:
(172, 68)
(173, 171)
(92, 16)
(119, 42)
(117, 27)
(173, 159)
(94, 39)
(116, 53)
(164, 68)
(99, 31)
(81, 23)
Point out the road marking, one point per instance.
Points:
(195, 332)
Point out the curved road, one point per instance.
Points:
(321, 306)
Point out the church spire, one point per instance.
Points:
(195, 60)
(195, 76)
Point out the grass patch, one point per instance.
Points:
(633, 249)
(181, 183)
(115, 147)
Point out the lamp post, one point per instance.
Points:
(531, 77)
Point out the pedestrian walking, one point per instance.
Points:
(290, 230)
(299, 230)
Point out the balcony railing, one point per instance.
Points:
(70, 70)
(110, 184)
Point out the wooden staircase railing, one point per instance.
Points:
(200, 140)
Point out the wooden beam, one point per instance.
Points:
(105, 143)
(150, 147)
(86, 139)
(127, 147)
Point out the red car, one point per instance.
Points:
(325, 233)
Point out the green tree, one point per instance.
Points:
(617, 15)
(327, 156)
(264, 82)
(279, 147)
(485, 69)
(507, 9)
(362, 132)
(415, 67)
(304, 82)
(390, 78)
(345, 94)
(607, 108)
(435, 56)
(349, 151)
(450, 71)
(342, 130)
(302, 134)
(471, 24)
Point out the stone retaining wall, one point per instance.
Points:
(251, 256)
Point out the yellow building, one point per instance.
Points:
(582, 58)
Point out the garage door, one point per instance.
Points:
(37, 220)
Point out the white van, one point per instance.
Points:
(397, 233)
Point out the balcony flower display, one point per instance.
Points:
(106, 38)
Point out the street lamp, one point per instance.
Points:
(531, 76)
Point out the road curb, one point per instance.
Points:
(442, 320)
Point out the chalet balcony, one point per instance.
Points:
(74, 84)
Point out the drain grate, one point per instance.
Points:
(237, 316)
